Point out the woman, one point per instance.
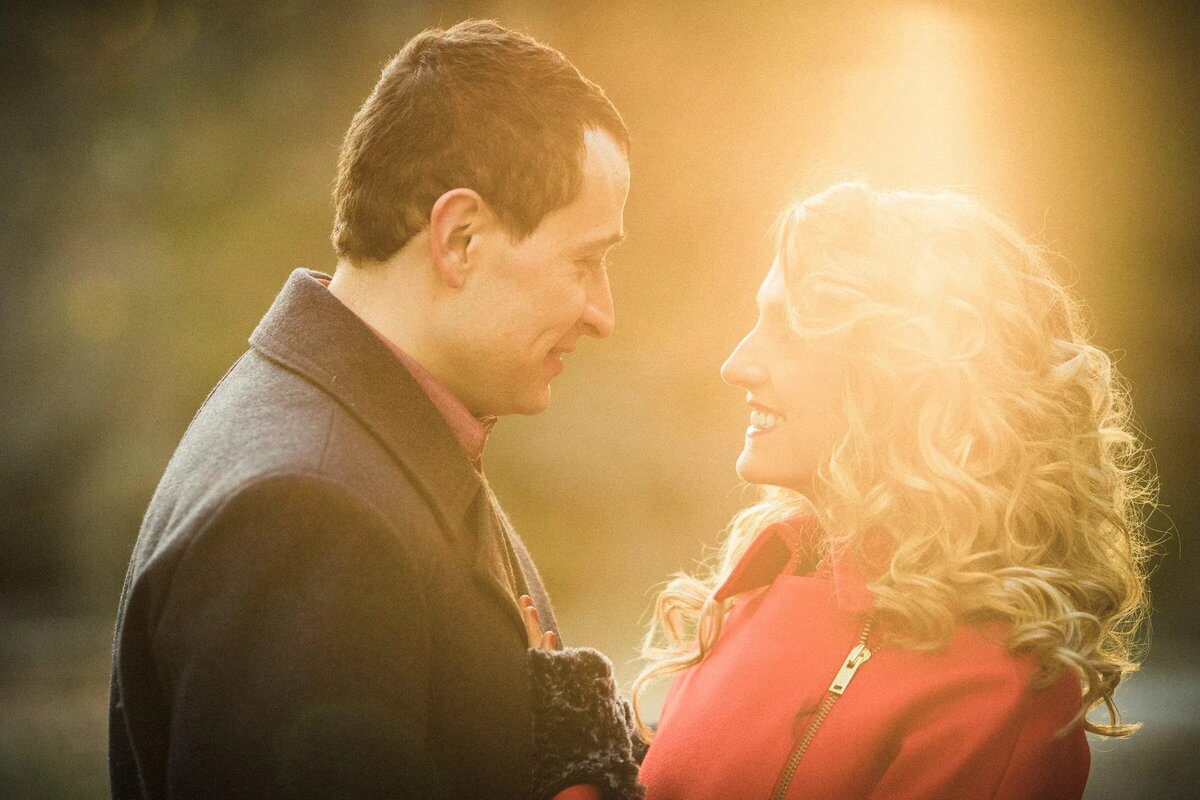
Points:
(945, 571)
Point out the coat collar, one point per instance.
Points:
(794, 545)
(310, 332)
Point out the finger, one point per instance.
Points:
(533, 630)
(549, 640)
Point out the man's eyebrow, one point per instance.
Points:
(611, 240)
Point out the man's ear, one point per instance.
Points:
(453, 220)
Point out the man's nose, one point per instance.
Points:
(599, 317)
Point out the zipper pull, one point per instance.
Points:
(858, 656)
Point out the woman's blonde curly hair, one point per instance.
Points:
(989, 447)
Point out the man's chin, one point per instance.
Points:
(535, 403)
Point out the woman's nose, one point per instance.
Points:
(742, 368)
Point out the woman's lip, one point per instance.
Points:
(763, 419)
(754, 430)
(757, 406)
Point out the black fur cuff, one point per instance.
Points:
(581, 727)
(640, 747)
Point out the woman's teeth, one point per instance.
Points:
(763, 419)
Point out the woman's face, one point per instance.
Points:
(793, 390)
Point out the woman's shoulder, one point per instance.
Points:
(976, 714)
(977, 662)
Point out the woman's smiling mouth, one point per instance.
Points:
(763, 420)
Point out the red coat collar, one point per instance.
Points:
(797, 540)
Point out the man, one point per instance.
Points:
(322, 601)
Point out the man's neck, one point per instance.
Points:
(470, 431)
(383, 296)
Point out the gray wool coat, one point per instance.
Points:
(320, 600)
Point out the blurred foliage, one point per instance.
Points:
(166, 164)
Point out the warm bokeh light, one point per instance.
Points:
(168, 163)
(905, 113)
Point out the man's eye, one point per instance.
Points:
(772, 319)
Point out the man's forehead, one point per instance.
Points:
(601, 152)
(595, 217)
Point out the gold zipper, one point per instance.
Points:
(856, 658)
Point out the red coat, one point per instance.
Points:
(961, 722)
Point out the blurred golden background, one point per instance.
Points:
(165, 165)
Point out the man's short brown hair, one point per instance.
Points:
(476, 106)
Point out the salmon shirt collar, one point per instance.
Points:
(796, 541)
(470, 431)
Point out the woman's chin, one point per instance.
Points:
(749, 470)
(752, 470)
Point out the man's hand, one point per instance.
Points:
(549, 641)
(533, 626)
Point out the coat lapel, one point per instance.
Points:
(309, 331)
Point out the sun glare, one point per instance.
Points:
(905, 114)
